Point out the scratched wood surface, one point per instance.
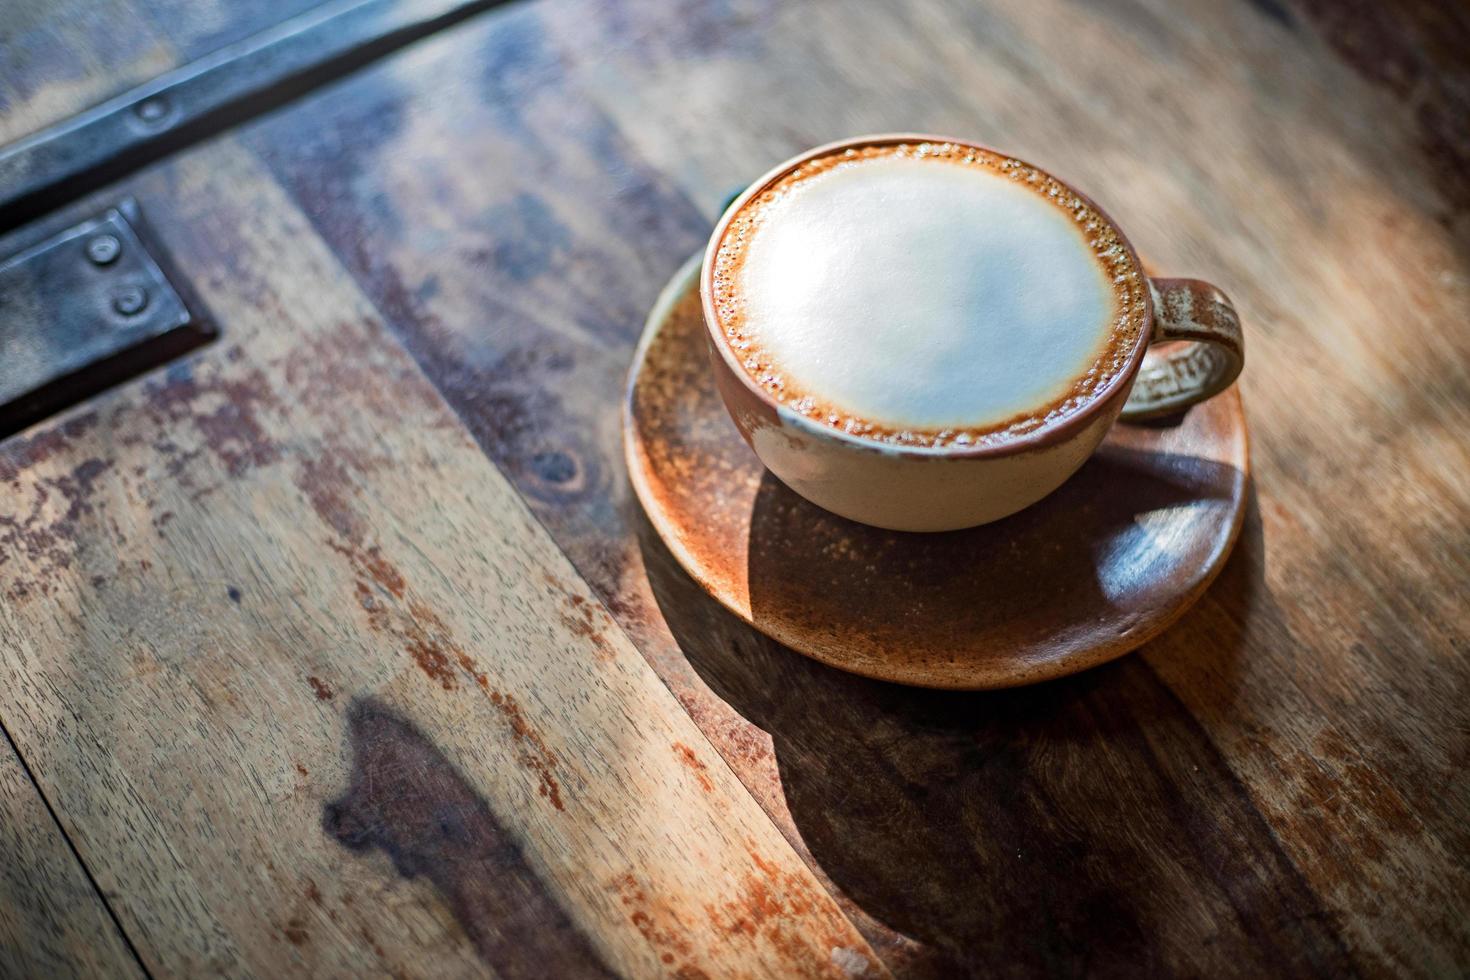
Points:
(313, 693)
(52, 922)
(58, 57)
(1274, 786)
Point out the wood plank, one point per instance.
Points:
(178, 109)
(52, 922)
(63, 56)
(1273, 786)
(313, 693)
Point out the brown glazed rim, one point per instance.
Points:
(1048, 434)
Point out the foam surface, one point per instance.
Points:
(898, 292)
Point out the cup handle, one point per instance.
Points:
(1209, 358)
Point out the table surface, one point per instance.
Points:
(340, 646)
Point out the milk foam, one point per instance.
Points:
(923, 297)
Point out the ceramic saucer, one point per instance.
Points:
(1091, 572)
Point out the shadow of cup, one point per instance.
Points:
(1070, 577)
(1058, 827)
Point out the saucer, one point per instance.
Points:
(1093, 571)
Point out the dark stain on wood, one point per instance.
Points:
(408, 800)
(45, 535)
(432, 661)
(766, 903)
(371, 561)
(382, 571)
(430, 651)
(233, 593)
(176, 465)
(767, 898)
(313, 894)
(659, 921)
(586, 620)
(21, 452)
(535, 755)
(327, 486)
(320, 688)
(383, 594)
(295, 932)
(687, 756)
(320, 367)
(301, 770)
(225, 409)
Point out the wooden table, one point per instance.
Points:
(339, 647)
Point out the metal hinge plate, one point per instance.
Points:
(81, 311)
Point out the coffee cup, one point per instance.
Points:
(925, 334)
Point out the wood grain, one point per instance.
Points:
(53, 922)
(1272, 786)
(314, 694)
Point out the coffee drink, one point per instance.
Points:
(924, 334)
(926, 295)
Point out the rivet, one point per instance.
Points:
(130, 300)
(152, 110)
(104, 249)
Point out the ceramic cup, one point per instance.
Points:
(928, 489)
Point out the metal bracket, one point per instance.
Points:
(84, 310)
(226, 88)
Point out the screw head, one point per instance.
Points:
(152, 109)
(104, 249)
(129, 300)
